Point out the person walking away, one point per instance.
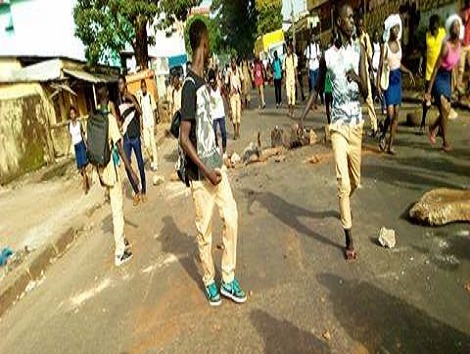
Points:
(440, 84)
(290, 73)
(149, 116)
(277, 75)
(110, 179)
(258, 74)
(434, 38)
(346, 63)
(247, 83)
(313, 54)
(217, 110)
(77, 135)
(131, 118)
(465, 50)
(234, 82)
(392, 56)
(209, 183)
(364, 39)
(176, 95)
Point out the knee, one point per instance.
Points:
(231, 215)
(344, 187)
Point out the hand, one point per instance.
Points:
(427, 97)
(412, 78)
(420, 70)
(215, 177)
(352, 76)
(379, 91)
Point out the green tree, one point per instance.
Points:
(106, 26)
(269, 15)
(236, 23)
(215, 39)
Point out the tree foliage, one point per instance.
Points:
(236, 23)
(106, 26)
(215, 39)
(269, 15)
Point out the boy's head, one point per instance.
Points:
(73, 113)
(212, 78)
(103, 94)
(143, 87)
(199, 38)
(344, 18)
(434, 23)
(122, 83)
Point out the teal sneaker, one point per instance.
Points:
(213, 295)
(233, 291)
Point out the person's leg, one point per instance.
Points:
(386, 126)
(233, 106)
(371, 109)
(263, 104)
(445, 110)
(425, 109)
(153, 146)
(137, 145)
(128, 151)
(328, 101)
(115, 197)
(203, 198)
(393, 130)
(147, 147)
(239, 116)
(223, 132)
(461, 69)
(341, 150)
(310, 80)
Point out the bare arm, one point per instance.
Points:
(190, 151)
(127, 164)
(379, 72)
(136, 104)
(362, 82)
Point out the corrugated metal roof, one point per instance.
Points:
(88, 77)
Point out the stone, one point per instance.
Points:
(313, 137)
(413, 119)
(442, 206)
(387, 238)
(327, 335)
(158, 180)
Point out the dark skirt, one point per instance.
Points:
(393, 93)
(442, 85)
(80, 155)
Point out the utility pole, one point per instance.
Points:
(293, 23)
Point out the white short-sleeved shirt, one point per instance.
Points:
(312, 52)
(217, 104)
(346, 108)
(75, 130)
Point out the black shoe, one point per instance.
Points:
(382, 143)
(373, 134)
(122, 259)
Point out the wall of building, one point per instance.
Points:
(24, 115)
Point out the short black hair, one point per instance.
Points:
(143, 82)
(122, 77)
(72, 108)
(211, 75)
(434, 20)
(103, 94)
(338, 8)
(196, 32)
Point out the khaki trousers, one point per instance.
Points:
(206, 197)
(290, 88)
(464, 59)
(370, 106)
(236, 106)
(347, 141)
(115, 197)
(150, 143)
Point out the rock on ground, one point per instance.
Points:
(442, 206)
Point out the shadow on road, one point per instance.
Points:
(385, 324)
(174, 241)
(281, 336)
(289, 214)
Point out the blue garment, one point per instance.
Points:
(393, 93)
(442, 85)
(313, 78)
(277, 67)
(135, 144)
(80, 155)
(223, 131)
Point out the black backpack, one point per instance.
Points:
(98, 149)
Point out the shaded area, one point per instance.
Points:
(281, 336)
(439, 166)
(386, 324)
(289, 214)
(176, 242)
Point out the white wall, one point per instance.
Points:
(41, 28)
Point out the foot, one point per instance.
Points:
(122, 259)
(154, 167)
(391, 151)
(350, 254)
(432, 136)
(373, 133)
(382, 143)
(213, 296)
(136, 200)
(446, 148)
(233, 291)
(143, 197)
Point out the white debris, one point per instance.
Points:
(387, 237)
(157, 180)
(90, 293)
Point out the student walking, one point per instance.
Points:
(149, 116)
(346, 63)
(110, 179)
(258, 74)
(131, 119)
(210, 186)
(434, 38)
(78, 140)
(276, 66)
(247, 83)
(290, 73)
(313, 54)
(217, 109)
(234, 82)
(440, 84)
(390, 86)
